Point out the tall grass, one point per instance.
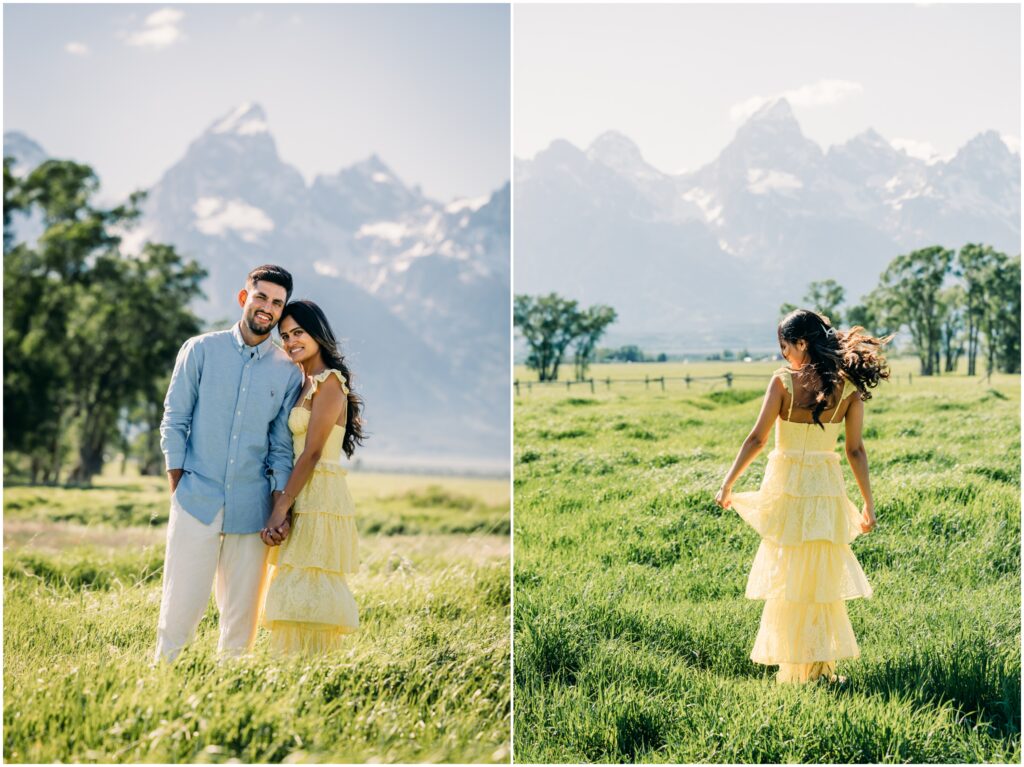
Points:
(632, 630)
(426, 678)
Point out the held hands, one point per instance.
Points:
(723, 498)
(867, 519)
(279, 524)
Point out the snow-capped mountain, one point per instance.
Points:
(711, 252)
(416, 289)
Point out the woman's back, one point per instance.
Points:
(795, 430)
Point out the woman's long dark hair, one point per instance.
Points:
(835, 354)
(311, 318)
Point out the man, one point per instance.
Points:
(228, 451)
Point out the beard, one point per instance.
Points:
(258, 327)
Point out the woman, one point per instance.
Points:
(308, 605)
(804, 568)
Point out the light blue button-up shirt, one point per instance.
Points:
(226, 425)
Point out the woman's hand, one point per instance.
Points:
(867, 519)
(724, 497)
(279, 524)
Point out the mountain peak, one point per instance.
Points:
(247, 119)
(777, 110)
(616, 150)
(872, 138)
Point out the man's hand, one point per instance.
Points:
(280, 523)
(174, 477)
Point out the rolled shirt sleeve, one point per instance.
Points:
(280, 459)
(180, 403)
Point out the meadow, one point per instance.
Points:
(425, 679)
(632, 632)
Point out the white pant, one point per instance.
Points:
(196, 553)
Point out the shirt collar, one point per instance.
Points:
(261, 348)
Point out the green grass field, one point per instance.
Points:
(632, 633)
(426, 679)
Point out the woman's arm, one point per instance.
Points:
(858, 458)
(328, 404)
(755, 441)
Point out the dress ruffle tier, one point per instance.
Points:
(308, 606)
(804, 568)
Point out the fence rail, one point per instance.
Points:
(647, 381)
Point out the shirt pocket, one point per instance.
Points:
(267, 402)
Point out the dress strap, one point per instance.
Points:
(787, 380)
(320, 378)
(848, 388)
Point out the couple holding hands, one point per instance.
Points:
(252, 436)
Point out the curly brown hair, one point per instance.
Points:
(835, 354)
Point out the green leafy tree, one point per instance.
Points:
(590, 325)
(952, 328)
(824, 297)
(908, 294)
(86, 329)
(975, 265)
(548, 324)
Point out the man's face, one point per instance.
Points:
(262, 306)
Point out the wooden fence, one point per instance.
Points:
(711, 381)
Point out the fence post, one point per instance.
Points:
(592, 391)
(687, 380)
(910, 378)
(647, 382)
(529, 386)
(608, 382)
(568, 385)
(517, 387)
(663, 383)
(728, 380)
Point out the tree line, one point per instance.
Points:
(954, 305)
(552, 324)
(90, 334)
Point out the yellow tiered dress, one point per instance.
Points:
(308, 605)
(804, 568)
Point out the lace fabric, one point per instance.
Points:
(308, 606)
(804, 568)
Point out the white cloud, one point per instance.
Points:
(159, 30)
(821, 93)
(216, 216)
(1012, 142)
(77, 49)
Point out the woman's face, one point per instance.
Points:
(794, 354)
(299, 345)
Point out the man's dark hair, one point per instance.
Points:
(271, 273)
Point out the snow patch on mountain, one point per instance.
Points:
(763, 181)
(246, 120)
(218, 217)
(390, 231)
(467, 203)
(707, 202)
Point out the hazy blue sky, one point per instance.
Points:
(679, 79)
(127, 87)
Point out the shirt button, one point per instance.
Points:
(238, 412)
(235, 437)
(232, 460)
(243, 388)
